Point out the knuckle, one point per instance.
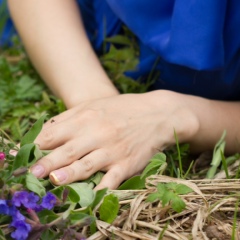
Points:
(72, 171)
(75, 172)
(69, 151)
(117, 174)
(47, 135)
(87, 163)
(48, 164)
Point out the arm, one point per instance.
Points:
(56, 42)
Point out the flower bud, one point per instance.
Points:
(2, 156)
(20, 171)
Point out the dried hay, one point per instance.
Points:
(209, 213)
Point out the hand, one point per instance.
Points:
(117, 135)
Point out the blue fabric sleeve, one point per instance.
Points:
(197, 42)
(7, 29)
(99, 21)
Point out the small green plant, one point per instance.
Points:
(123, 57)
(168, 193)
(157, 165)
(23, 96)
(217, 156)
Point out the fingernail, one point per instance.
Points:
(37, 170)
(58, 176)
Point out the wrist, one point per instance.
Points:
(88, 94)
(177, 113)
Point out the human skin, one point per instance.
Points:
(102, 129)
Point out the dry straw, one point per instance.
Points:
(209, 213)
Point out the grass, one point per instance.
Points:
(24, 98)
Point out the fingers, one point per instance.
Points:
(113, 178)
(80, 169)
(62, 156)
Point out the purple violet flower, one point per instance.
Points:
(27, 199)
(4, 208)
(48, 201)
(22, 229)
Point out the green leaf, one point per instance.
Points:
(153, 197)
(155, 164)
(167, 197)
(216, 160)
(73, 195)
(23, 156)
(98, 197)
(34, 185)
(48, 234)
(171, 186)
(161, 188)
(183, 189)
(47, 216)
(132, 183)
(31, 135)
(57, 191)
(37, 153)
(96, 178)
(109, 208)
(178, 204)
(81, 219)
(85, 193)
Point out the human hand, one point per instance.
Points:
(117, 135)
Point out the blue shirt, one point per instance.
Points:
(198, 43)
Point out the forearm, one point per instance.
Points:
(214, 118)
(55, 40)
(197, 121)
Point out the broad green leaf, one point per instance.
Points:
(98, 197)
(96, 178)
(171, 186)
(135, 182)
(57, 191)
(178, 204)
(23, 156)
(161, 188)
(155, 164)
(167, 197)
(153, 197)
(73, 195)
(37, 153)
(183, 189)
(48, 234)
(30, 136)
(109, 208)
(34, 185)
(81, 219)
(47, 216)
(85, 193)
